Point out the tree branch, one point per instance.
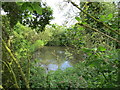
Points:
(111, 29)
(11, 71)
(86, 26)
(18, 65)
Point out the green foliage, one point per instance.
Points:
(37, 44)
(37, 76)
(75, 36)
(99, 65)
(77, 18)
(99, 70)
(104, 69)
(33, 14)
(101, 48)
(106, 18)
(57, 33)
(58, 79)
(27, 38)
(31, 7)
(36, 7)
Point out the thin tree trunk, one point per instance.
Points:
(11, 71)
(18, 65)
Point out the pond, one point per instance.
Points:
(54, 57)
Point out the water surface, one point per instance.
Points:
(54, 57)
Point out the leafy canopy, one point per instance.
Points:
(33, 14)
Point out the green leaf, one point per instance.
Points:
(110, 23)
(102, 18)
(27, 6)
(19, 3)
(39, 11)
(106, 18)
(77, 18)
(1, 87)
(24, 5)
(37, 8)
(39, 43)
(86, 50)
(94, 49)
(110, 16)
(30, 8)
(101, 48)
(81, 28)
(84, 22)
(95, 63)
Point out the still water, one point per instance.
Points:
(54, 57)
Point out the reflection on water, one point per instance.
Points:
(65, 65)
(52, 67)
(52, 58)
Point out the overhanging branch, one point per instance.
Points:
(86, 26)
(111, 29)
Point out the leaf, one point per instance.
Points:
(110, 16)
(81, 28)
(39, 43)
(101, 48)
(37, 8)
(24, 5)
(39, 11)
(84, 22)
(19, 3)
(102, 18)
(86, 50)
(27, 6)
(106, 18)
(94, 49)
(96, 63)
(110, 23)
(1, 87)
(77, 18)
(30, 8)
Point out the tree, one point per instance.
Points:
(33, 14)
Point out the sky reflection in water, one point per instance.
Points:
(53, 58)
(54, 67)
